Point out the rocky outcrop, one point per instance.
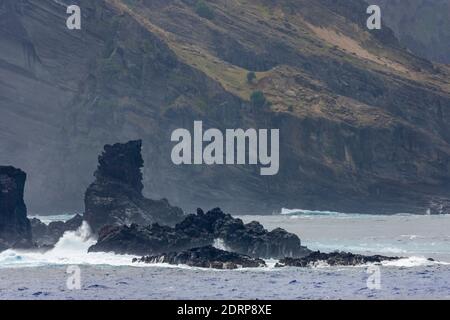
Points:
(15, 230)
(197, 230)
(48, 235)
(140, 241)
(206, 257)
(332, 259)
(115, 198)
(250, 239)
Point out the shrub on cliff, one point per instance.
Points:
(203, 10)
(251, 76)
(258, 99)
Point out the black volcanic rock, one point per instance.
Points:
(115, 198)
(198, 230)
(250, 239)
(150, 240)
(332, 259)
(122, 163)
(48, 235)
(15, 230)
(206, 257)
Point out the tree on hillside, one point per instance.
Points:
(258, 99)
(251, 76)
(203, 10)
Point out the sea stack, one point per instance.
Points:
(15, 229)
(115, 198)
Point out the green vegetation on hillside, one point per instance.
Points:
(258, 99)
(203, 10)
(251, 76)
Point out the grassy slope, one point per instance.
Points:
(308, 28)
(325, 72)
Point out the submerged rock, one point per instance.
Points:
(15, 229)
(198, 230)
(115, 198)
(48, 235)
(439, 206)
(332, 259)
(206, 257)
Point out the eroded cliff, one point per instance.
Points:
(363, 122)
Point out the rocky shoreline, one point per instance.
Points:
(126, 222)
(198, 230)
(332, 259)
(213, 258)
(206, 257)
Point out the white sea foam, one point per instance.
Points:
(53, 218)
(405, 236)
(220, 244)
(318, 213)
(414, 261)
(285, 211)
(71, 249)
(363, 248)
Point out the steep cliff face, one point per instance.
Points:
(422, 26)
(363, 123)
(15, 230)
(42, 67)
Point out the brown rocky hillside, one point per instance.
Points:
(363, 122)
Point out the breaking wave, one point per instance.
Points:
(412, 262)
(71, 249)
(407, 241)
(318, 213)
(289, 212)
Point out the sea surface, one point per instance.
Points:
(31, 275)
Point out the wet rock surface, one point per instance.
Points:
(332, 259)
(15, 230)
(48, 235)
(206, 257)
(115, 198)
(150, 240)
(198, 230)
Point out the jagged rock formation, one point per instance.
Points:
(206, 257)
(15, 230)
(149, 240)
(249, 239)
(115, 198)
(364, 123)
(48, 235)
(332, 259)
(197, 231)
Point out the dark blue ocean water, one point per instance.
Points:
(25, 275)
